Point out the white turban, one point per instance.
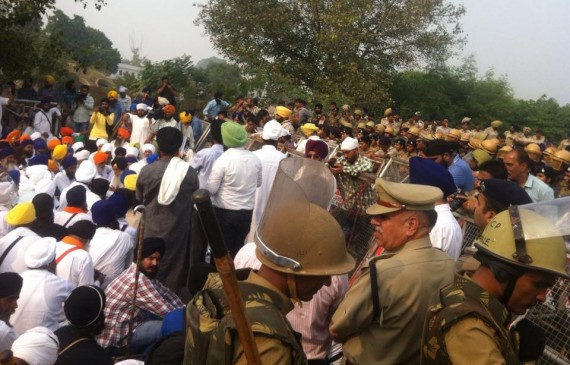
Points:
(85, 172)
(37, 346)
(163, 101)
(106, 148)
(150, 147)
(137, 167)
(130, 362)
(45, 186)
(272, 130)
(132, 151)
(40, 253)
(100, 142)
(122, 89)
(35, 136)
(77, 145)
(82, 155)
(37, 172)
(349, 144)
(142, 106)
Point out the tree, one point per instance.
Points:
(87, 46)
(26, 50)
(179, 71)
(336, 46)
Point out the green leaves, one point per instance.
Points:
(87, 46)
(328, 46)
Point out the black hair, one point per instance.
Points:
(496, 168)
(121, 163)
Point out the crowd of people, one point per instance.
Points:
(102, 254)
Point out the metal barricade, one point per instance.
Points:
(470, 231)
(396, 170)
(553, 317)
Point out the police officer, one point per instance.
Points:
(380, 320)
(300, 245)
(522, 254)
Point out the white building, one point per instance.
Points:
(124, 68)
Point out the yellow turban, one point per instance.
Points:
(184, 117)
(22, 213)
(131, 182)
(59, 152)
(308, 129)
(283, 111)
(496, 123)
(49, 79)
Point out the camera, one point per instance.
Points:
(456, 203)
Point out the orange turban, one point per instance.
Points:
(100, 157)
(13, 136)
(123, 133)
(169, 109)
(24, 137)
(52, 143)
(68, 140)
(53, 166)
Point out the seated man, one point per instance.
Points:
(154, 301)
(43, 293)
(84, 312)
(10, 287)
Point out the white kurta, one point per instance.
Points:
(62, 181)
(92, 198)
(14, 261)
(446, 234)
(140, 130)
(7, 336)
(270, 158)
(76, 266)
(41, 301)
(65, 218)
(111, 251)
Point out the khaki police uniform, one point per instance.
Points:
(405, 282)
(467, 326)
(265, 307)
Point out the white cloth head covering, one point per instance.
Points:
(107, 148)
(130, 362)
(272, 130)
(40, 253)
(137, 166)
(142, 106)
(132, 151)
(35, 136)
(122, 89)
(37, 346)
(85, 172)
(82, 155)
(77, 145)
(149, 146)
(37, 172)
(163, 101)
(100, 142)
(349, 144)
(45, 186)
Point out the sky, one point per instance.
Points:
(527, 41)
